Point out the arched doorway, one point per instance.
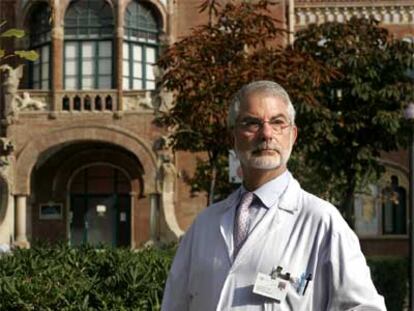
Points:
(100, 206)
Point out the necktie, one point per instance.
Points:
(241, 224)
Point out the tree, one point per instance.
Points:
(7, 54)
(361, 107)
(241, 43)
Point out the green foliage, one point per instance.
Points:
(18, 34)
(390, 276)
(205, 69)
(85, 278)
(360, 111)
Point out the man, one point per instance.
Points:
(270, 245)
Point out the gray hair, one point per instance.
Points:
(263, 87)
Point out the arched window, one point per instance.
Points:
(140, 47)
(40, 28)
(88, 53)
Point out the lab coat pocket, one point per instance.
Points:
(299, 302)
(270, 306)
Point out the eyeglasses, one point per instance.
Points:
(253, 125)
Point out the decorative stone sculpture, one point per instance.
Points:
(167, 178)
(11, 84)
(14, 102)
(146, 102)
(28, 103)
(164, 100)
(12, 78)
(6, 148)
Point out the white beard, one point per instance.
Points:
(265, 162)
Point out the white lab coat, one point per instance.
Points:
(302, 234)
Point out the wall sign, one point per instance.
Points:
(50, 211)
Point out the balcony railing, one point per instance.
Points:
(86, 101)
(102, 100)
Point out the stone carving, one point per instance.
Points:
(167, 178)
(14, 102)
(387, 14)
(28, 103)
(138, 102)
(12, 78)
(10, 85)
(146, 102)
(164, 100)
(6, 148)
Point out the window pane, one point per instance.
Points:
(150, 55)
(45, 84)
(37, 61)
(125, 68)
(125, 50)
(137, 70)
(45, 71)
(125, 83)
(71, 68)
(87, 67)
(70, 83)
(105, 49)
(45, 54)
(87, 83)
(150, 85)
(104, 82)
(88, 49)
(35, 85)
(105, 66)
(36, 72)
(70, 50)
(137, 84)
(149, 72)
(137, 52)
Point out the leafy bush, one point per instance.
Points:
(390, 276)
(85, 278)
(88, 278)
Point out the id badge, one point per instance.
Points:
(275, 288)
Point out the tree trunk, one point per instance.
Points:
(348, 203)
(212, 183)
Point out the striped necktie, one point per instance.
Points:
(242, 220)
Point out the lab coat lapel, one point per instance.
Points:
(227, 222)
(258, 235)
(271, 221)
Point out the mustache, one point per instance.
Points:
(264, 145)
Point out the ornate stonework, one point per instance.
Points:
(307, 12)
(6, 148)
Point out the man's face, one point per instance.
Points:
(262, 147)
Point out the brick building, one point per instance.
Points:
(80, 156)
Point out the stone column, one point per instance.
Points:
(20, 220)
(57, 58)
(119, 38)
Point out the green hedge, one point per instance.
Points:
(85, 278)
(390, 276)
(88, 278)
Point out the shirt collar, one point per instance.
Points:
(270, 192)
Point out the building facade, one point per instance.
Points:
(81, 158)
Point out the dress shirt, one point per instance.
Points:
(265, 197)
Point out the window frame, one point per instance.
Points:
(133, 23)
(93, 32)
(37, 43)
